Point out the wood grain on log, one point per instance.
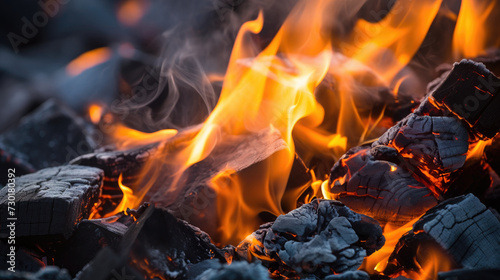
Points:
(462, 226)
(370, 182)
(52, 201)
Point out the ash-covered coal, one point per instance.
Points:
(238, 270)
(317, 239)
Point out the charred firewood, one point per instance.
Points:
(426, 150)
(114, 163)
(51, 201)
(319, 238)
(470, 274)
(50, 136)
(370, 182)
(462, 227)
(169, 244)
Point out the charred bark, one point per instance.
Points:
(462, 227)
(51, 201)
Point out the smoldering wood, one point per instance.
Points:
(169, 244)
(319, 238)
(113, 163)
(470, 92)
(51, 201)
(370, 182)
(470, 274)
(462, 226)
(50, 136)
(28, 258)
(432, 146)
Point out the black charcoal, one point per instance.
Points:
(319, 238)
(51, 201)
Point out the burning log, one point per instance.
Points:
(370, 182)
(470, 274)
(462, 226)
(50, 136)
(423, 153)
(51, 201)
(114, 163)
(319, 238)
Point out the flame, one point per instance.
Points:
(128, 198)
(95, 113)
(377, 261)
(476, 151)
(474, 28)
(125, 137)
(88, 60)
(132, 11)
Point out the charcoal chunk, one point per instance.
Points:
(51, 201)
(379, 188)
(463, 227)
(50, 136)
(319, 238)
(46, 273)
(238, 270)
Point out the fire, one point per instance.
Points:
(377, 262)
(475, 24)
(88, 60)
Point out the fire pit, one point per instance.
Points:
(323, 139)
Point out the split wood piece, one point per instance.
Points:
(170, 244)
(111, 263)
(319, 238)
(371, 182)
(50, 136)
(113, 163)
(462, 226)
(194, 199)
(432, 147)
(51, 201)
(89, 237)
(470, 274)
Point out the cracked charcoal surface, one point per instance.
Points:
(434, 145)
(369, 182)
(52, 201)
(238, 270)
(463, 227)
(318, 239)
(50, 136)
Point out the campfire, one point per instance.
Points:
(321, 139)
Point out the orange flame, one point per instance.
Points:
(88, 60)
(475, 25)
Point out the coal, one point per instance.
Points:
(463, 227)
(51, 201)
(433, 147)
(50, 136)
(316, 239)
(238, 270)
(371, 182)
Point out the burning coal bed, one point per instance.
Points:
(318, 161)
